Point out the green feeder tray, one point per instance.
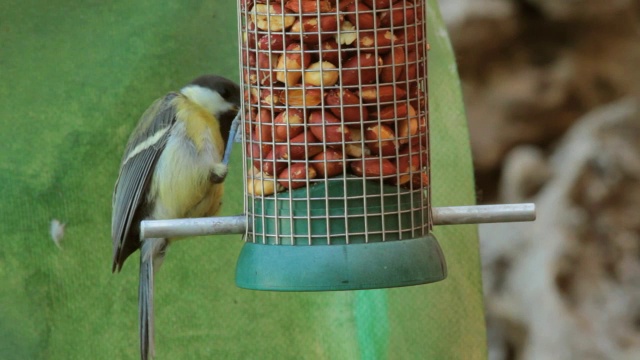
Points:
(311, 252)
(340, 267)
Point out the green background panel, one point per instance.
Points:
(74, 78)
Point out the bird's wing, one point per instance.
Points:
(136, 170)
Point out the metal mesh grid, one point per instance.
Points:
(335, 107)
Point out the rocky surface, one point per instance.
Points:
(551, 89)
(531, 68)
(567, 286)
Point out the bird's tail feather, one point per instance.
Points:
(145, 307)
(151, 256)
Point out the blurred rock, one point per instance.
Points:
(567, 286)
(580, 9)
(525, 171)
(542, 81)
(531, 68)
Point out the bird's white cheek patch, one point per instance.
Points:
(210, 100)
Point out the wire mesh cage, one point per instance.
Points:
(336, 134)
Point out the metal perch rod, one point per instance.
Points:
(479, 214)
(451, 215)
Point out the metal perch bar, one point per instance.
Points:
(222, 225)
(456, 215)
(176, 228)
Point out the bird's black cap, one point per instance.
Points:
(228, 89)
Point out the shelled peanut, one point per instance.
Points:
(334, 86)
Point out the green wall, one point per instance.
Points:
(74, 78)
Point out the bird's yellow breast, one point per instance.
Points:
(200, 124)
(181, 183)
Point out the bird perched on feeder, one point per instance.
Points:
(172, 168)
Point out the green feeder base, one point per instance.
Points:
(340, 267)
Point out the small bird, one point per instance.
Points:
(172, 168)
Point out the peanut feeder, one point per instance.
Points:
(335, 126)
(336, 141)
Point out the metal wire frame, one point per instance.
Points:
(263, 62)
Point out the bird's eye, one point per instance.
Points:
(225, 93)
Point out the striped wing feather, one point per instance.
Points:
(136, 170)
